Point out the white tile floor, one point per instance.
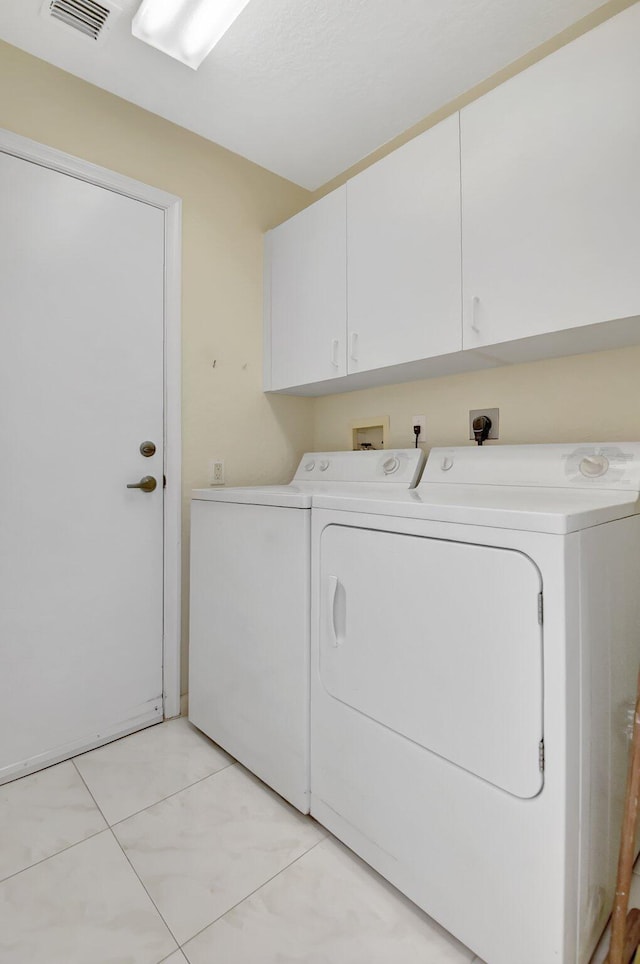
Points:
(159, 848)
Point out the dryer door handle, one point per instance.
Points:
(332, 595)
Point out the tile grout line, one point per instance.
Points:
(110, 829)
(56, 853)
(251, 894)
(179, 951)
(175, 793)
(85, 785)
(209, 924)
(62, 850)
(78, 756)
(142, 883)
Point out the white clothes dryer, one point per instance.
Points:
(475, 648)
(250, 615)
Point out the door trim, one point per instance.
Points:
(171, 205)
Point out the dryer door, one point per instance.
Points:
(439, 641)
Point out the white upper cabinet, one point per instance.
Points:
(403, 253)
(550, 196)
(306, 296)
(387, 279)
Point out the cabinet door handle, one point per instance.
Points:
(354, 346)
(335, 345)
(475, 304)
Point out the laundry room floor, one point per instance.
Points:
(160, 848)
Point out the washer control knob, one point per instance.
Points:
(447, 463)
(309, 466)
(324, 465)
(593, 466)
(391, 465)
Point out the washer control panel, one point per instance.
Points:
(402, 467)
(391, 465)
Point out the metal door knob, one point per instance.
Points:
(147, 484)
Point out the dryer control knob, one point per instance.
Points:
(324, 466)
(309, 466)
(593, 466)
(447, 463)
(389, 466)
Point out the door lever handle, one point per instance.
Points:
(147, 484)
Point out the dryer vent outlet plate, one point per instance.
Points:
(494, 415)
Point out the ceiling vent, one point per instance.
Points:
(88, 17)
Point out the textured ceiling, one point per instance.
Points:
(306, 88)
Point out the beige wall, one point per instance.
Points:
(582, 398)
(227, 205)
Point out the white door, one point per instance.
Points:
(403, 253)
(307, 290)
(81, 387)
(440, 642)
(550, 199)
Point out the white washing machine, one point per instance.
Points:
(250, 617)
(475, 648)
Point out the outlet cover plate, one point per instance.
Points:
(420, 420)
(494, 415)
(216, 472)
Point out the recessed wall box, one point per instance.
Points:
(369, 433)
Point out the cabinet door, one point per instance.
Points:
(307, 302)
(403, 253)
(550, 191)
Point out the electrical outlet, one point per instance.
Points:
(420, 420)
(216, 472)
(494, 415)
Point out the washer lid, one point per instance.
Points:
(295, 495)
(286, 496)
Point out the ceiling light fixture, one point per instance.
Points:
(185, 29)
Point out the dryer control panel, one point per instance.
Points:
(606, 465)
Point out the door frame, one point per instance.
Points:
(171, 205)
